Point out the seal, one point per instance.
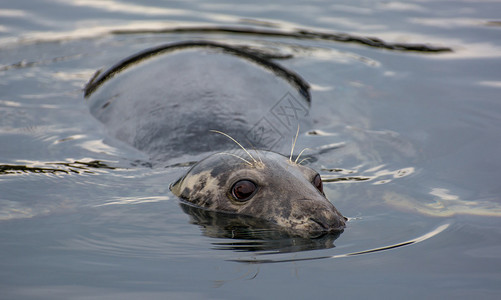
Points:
(270, 187)
(163, 101)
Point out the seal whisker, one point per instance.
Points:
(237, 156)
(255, 150)
(304, 159)
(258, 156)
(228, 136)
(299, 155)
(294, 142)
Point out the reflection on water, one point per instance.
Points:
(116, 6)
(252, 234)
(419, 239)
(443, 204)
(377, 174)
(76, 167)
(297, 34)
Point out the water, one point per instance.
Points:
(413, 158)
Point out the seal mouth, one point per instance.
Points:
(320, 224)
(320, 229)
(323, 226)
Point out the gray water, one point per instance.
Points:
(411, 138)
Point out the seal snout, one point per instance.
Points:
(329, 221)
(318, 216)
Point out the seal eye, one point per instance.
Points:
(243, 190)
(317, 182)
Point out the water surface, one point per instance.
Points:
(411, 142)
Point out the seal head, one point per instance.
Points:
(270, 187)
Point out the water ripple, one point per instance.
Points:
(414, 241)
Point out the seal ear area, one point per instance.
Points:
(313, 177)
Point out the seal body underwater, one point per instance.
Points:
(163, 101)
